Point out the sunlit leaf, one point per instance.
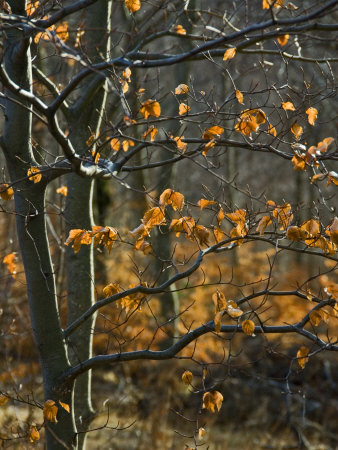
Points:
(133, 5)
(115, 144)
(294, 234)
(144, 246)
(150, 108)
(126, 143)
(202, 234)
(248, 327)
(180, 30)
(34, 174)
(211, 400)
(201, 432)
(283, 40)
(283, 214)
(6, 192)
(153, 217)
(234, 312)
(181, 89)
(62, 190)
(62, 31)
(239, 96)
(299, 162)
(288, 106)
(263, 223)
(182, 146)
(272, 130)
(212, 132)
(217, 321)
(65, 406)
(302, 356)
(183, 109)
(34, 435)
(208, 146)
(50, 411)
(311, 115)
(332, 231)
(315, 317)
(3, 399)
(152, 131)
(203, 203)
(267, 4)
(173, 198)
(296, 130)
(229, 54)
(219, 300)
(187, 377)
(9, 260)
(111, 289)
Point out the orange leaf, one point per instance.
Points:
(133, 5)
(34, 435)
(294, 234)
(288, 106)
(248, 327)
(181, 89)
(263, 223)
(201, 433)
(111, 289)
(182, 146)
(283, 40)
(220, 216)
(3, 399)
(115, 144)
(272, 130)
(302, 356)
(35, 178)
(202, 234)
(152, 131)
(50, 411)
(210, 133)
(212, 399)
(150, 108)
(229, 54)
(6, 192)
(299, 162)
(143, 245)
(180, 30)
(65, 406)
(284, 215)
(9, 260)
(183, 109)
(62, 190)
(153, 217)
(297, 130)
(203, 203)
(219, 300)
(62, 31)
(239, 96)
(187, 377)
(170, 197)
(311, 115)
(315, 317)
(208, 146)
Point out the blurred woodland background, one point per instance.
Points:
(232, 130)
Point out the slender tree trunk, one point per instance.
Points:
(79, 213)
(33, 241)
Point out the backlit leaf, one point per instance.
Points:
(311, 115)
(294, 234)
(288, 106)
(302, 356)
(65, 406)
(50, 411)
(263, 223)
(153, 217)
(181, 89)
(248, 327)
(229, 54)
(211, 400)
(283, 40)
(239, 96)
(111, 289)
(152, 131)
(9, 260)
(219, 300)
(203, 203)
(6, 192)
(183, 109)
(34, 435)
(202, 234)
(220, 216)
(180, 30)
(283, 214)
(299, 162)
(34, 174)
(133, 5)
(212, 132)
(187, 377)
(62, 31)
(201, 432)
(62, 190)
(315, 317)
(170, 197)
(115, 144)
(182, 146)
(297, 130)
(233, 311)
(272, 130)
(150, 108)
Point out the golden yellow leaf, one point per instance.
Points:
(296, 130)
(239, 96)
(152, 131)
(332, 230)
(183, 109)
(270, 204)
(65, 406)
(263, 223)
(220, 216)
(180, 30)
(288, 106)
(115, 144)
(139, 231)
(217, 321)
(35, 178)
(283, 40)
(283, 214)
(208, 146)
(248, 327)
(150, 108)
(201, 433)
(104, 235)
(233, 311)
(294, 234)
(275, 3)
(310, 228)
(182, 146)
(260, 116)
(212, 132)
(111, 289)
(90, 140)
(181, 89)
(302, 356)
(6, 192)
(219, 300)
(186, 224)
(50, 411)
(247, 124)
(170, 197)
(229, 54)
(298, 161)
(218, 234)
(187, 377)
(34, 435)
(153, 217)
(272, 130)
(78, 237)
(202, 234)
(31, 7)
(238, 216)
(203, 203)
(9, 260)
(211, 400)
(124, 86)
(62, 31)
(62, 190)
(315, 317)
(311, 115)
(133, 5)
(127, 74)
(144, 246)
(3, 399)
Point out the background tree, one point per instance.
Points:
(123, 93)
